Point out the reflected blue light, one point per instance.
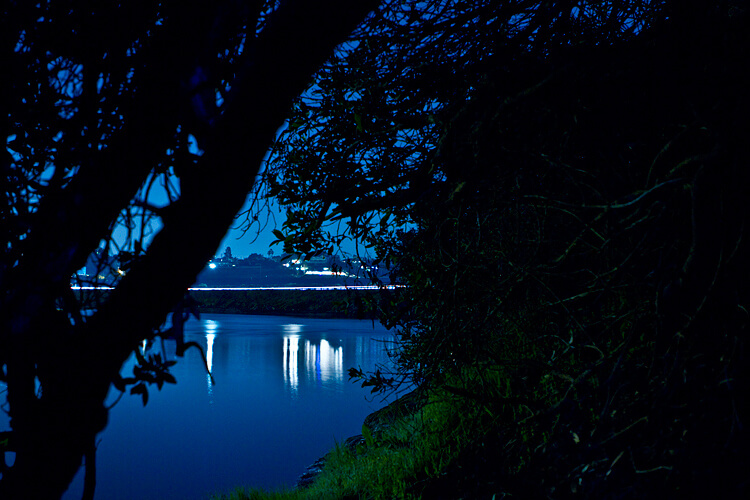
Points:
(322, 363)
(291, 350)
(210, 359)
(292, 328)
(211, 327)
(330, 362)
(210, 350)
(298, 417)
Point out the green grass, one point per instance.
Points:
(256, 494)
(413, 450)
(594, 418)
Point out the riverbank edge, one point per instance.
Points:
(325, 304)
(375, 424)
(350, 304)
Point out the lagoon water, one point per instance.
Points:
(282, 399)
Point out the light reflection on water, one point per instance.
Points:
(210, 327)
(325, 361)
(322, 362)
(262, 422)
(291, 363)
(209, 360)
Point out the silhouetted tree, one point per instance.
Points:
(573, 176)
(362, 145)
(99, 107)
(228, 254)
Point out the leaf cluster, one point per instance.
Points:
(360, 149)
(150, 369)
(575, 234)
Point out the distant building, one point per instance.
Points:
(259, 271)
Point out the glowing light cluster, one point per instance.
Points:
(322, 363)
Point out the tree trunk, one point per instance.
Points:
(74, 364)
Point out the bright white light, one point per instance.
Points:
(212, 266)
(211, 326)
(210, 350)
(331, 362)
(311, 359)
(291, 350)
(325, 355)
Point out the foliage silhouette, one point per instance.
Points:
(100, 105)
(571, 176)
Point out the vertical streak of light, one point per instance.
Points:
(324, 362)
(210, 350)
(293, 367)
(291, 355)
(210, 360)
(285, 360)
(330, 362)
(211, 328)
(339, 362)
(318, 374)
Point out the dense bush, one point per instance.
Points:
(572, 185)
(586, 266)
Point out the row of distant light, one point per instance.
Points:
(198, 289)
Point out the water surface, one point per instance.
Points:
(282, 399)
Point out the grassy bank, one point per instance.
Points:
(435, 444)
(403, 447)
(520, 429)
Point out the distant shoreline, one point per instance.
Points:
(309, 302)
(313, 301)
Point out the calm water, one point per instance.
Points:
(282, 398)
